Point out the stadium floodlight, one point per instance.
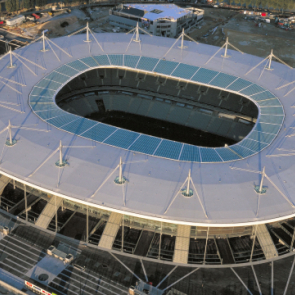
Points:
(269, 58)
(88, 30)
(187, 193)
(225, 46)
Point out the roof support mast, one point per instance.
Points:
(225, 46)
(268, 67)
(87, 33)
(43, 42)
(11, 65)
(182, 38)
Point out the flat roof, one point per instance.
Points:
(226, 190)
(156, 11)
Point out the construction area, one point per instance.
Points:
(247, 33)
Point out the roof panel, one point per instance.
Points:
(165, 67)
(145, 144)
(209, 155)
(78, 65)
(227, 154)
(169, 149)
(204, 75)
(102, 60)
(80, 126)
(239, 85)
(190, 153)
(116, 59)
(223, 80)
(147, 63)
(90, 61)
(185, 71)
(99, 132)
(122, 138)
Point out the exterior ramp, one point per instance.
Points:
(182, 242)
(110, 231)
(3, 182)
(266, 242)
(49, 212)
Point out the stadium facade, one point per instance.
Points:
(174, 201)
(158, 19)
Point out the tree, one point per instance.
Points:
(28, 4)
(10, 5)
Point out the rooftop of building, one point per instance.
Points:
(156, 11)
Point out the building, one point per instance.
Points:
(158, 19)
(218, 210)
(17, 20)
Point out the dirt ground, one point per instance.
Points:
(245, 35)
(215, 27)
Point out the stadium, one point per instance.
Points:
(170, 160)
